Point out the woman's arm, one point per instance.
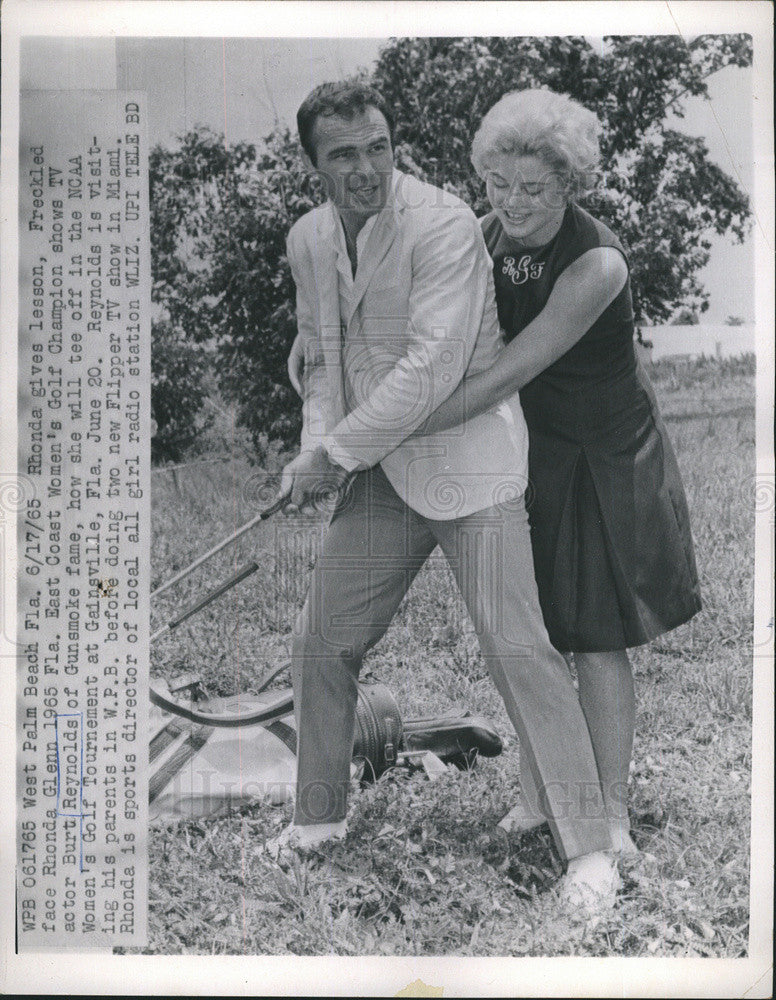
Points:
(295, 364)
(580, 295)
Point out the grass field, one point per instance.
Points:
(424, 871)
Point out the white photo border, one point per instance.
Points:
(63, 973)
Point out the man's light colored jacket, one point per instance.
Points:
(423, 315)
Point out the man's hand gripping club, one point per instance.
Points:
(311, 479)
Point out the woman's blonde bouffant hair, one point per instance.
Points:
(542, 123)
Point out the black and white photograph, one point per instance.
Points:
(397, 458)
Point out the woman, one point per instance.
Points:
(610, 530)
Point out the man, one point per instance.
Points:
(395, 304)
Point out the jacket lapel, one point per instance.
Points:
(376, 250)
(326, 279)
(378, 245)
(327, 292)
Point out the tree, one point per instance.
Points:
(219, 224)
(659, 191)
(180, 182)
(252, 284)
(221, 214)
(178, 392)
(685, 317)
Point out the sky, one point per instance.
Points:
(242, 86)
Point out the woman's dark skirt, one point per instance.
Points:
(613, 551)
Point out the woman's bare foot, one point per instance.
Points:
(591, 882)
(305, 838)
(521, 819)
(622, 842)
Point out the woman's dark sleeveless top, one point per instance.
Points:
(610, 530)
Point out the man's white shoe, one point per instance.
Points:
(591, 882)
(305, 838)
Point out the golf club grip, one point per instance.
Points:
(274, 508)
(208, 598)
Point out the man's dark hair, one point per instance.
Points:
(345, 98)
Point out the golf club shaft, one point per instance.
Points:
(276, 506)
(207, 599)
